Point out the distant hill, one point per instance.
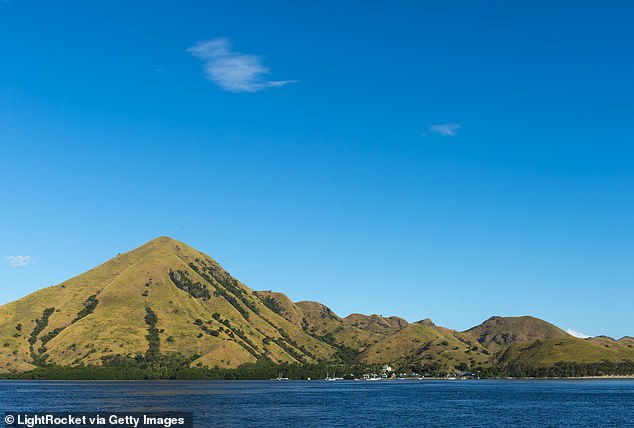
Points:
(500, 332)
(321, 322)
(166, 301)
(427, 347)
(575, 350)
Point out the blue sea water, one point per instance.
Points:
(476, 403)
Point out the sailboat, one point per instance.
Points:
(279, 377)
(332, 378)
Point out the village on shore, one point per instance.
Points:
(387, 373)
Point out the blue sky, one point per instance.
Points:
(449, 160)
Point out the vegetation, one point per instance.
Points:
(89, 306)
(50, 335)
(40, 324)
(345, 354)
(39, 356)
(564, 369)
(230, 289)
(195, 289)
(154, 343)
(177, 367)
(272, 304)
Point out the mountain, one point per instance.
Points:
(520, 342)
(165, 289)
(498, 333)
(167, 302)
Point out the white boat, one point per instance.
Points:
(332, 378)
(280, 377)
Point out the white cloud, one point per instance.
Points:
(445, 129)
(576, 333)
(233, 71)
(19, 261)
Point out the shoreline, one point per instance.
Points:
(433, 379)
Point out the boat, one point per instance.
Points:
(279, 377)
(332, 378)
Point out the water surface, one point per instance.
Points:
(482, 403)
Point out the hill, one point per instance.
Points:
(167, 304)
(425, 347)
(349, 335)
(572, 350)
(498, 333)
(164, 297)
(527, 344)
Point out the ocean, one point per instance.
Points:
(393, 403)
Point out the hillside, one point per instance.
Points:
(426, 346)
(167, 303)
(528, 342)
(572, 350)
(321, 322)
(199, 308)
(498, 333)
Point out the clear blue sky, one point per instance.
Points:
(452, 160)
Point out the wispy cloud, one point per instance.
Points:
(576, 333)
(233, 71)
(445, 129)
(19, 261)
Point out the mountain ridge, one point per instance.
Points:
(165, 298)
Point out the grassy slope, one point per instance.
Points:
(320, 321)
(376, 323)
(571, 349)
(127, 284)
(627, 341)
(528, 341)
(423, 344)
(497, 333)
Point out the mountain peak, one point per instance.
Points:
(426, 322)
(164, 246)
(162, 241)
(501, 331)
(187, 302)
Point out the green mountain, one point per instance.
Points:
(166, 301)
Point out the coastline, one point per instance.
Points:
(395, 380)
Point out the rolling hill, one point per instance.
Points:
(166, 300)
(500, 332)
